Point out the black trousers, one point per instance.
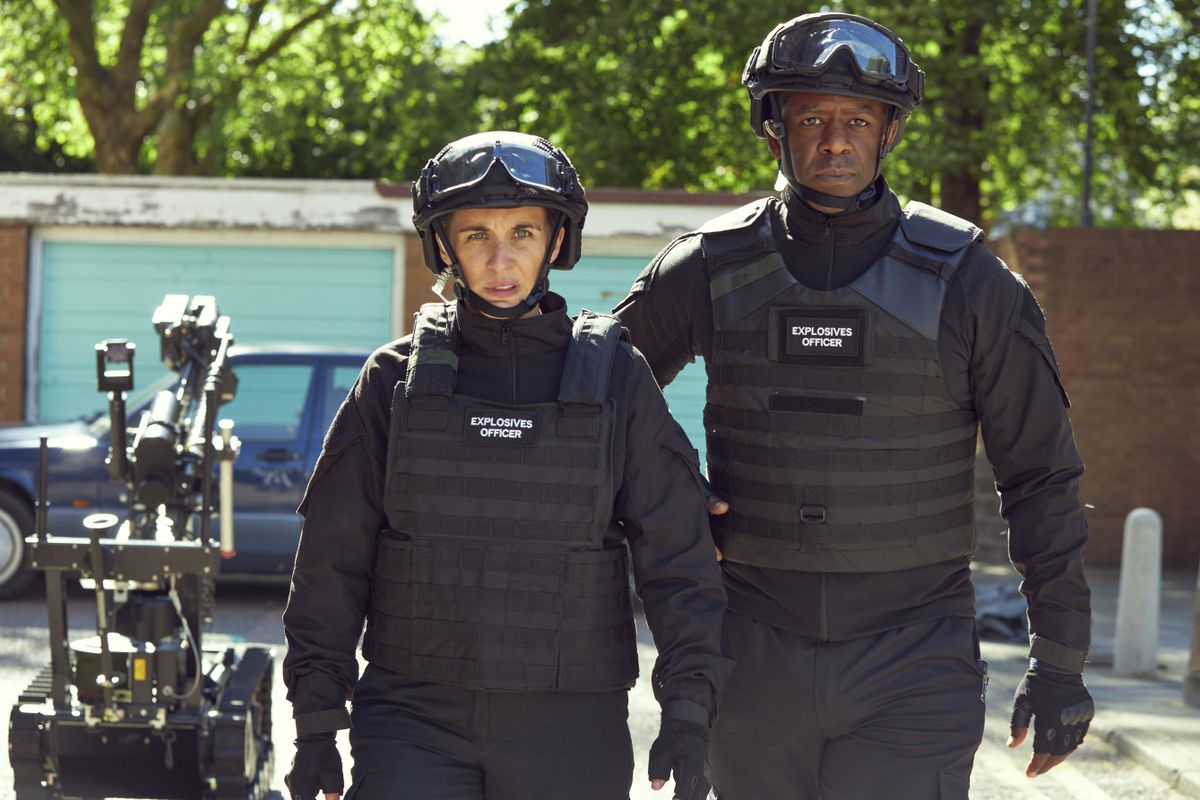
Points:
(425, 741)
(896, 715)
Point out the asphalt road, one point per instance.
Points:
(252, 614)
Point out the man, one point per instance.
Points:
(472, 503)
(852, 349)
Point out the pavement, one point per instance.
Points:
(1144, 719)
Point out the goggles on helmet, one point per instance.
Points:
(801, 52)
(500, 169)
(528, 160)
(807, 49)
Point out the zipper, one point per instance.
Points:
(830, 240)
(506, 339)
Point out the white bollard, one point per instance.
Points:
(1135, 648)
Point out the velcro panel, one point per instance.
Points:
(491, 528)
(835, 425)
(562, 457)
(830, 378)
(479, 488)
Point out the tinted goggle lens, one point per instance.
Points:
(469, 163)
(807, 49)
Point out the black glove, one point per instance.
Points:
(1058, 703)
(682, 748)
(316, 767)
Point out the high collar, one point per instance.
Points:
(809, 226)
(541, 333)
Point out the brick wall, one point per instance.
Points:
(14, 269)
(1123, 313)
(417, 281)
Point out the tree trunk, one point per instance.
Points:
(961, 195)
(960, 191)
(116, 130)
(175, 144)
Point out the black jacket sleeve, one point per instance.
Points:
(343, 514)
(661, 506)
(1018, 396)
(672, 324)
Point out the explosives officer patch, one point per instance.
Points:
(820, 336)
(500, 426)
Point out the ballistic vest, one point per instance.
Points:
(830, 430)
(493, 574)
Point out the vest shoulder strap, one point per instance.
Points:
(433, 361)
(594, 341)
(743, 217)
(931, 239)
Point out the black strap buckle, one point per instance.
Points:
(812, 515)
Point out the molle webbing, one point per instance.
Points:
(493, 574)
(894, 495)
(823, 460)
(835, 536)
(502, 619)
(852, 457)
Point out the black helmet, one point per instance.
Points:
(499, 169)
(832, 53)
(502, 169)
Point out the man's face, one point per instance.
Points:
(834, 141)
(501, 250)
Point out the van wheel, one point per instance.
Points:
(16, 522)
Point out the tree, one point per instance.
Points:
(647, 94)
(134, 65)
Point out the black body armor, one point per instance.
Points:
(830, 430)
(494, 573)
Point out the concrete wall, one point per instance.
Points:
(1123, 313)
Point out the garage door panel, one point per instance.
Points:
(600, 282)
(332, 296)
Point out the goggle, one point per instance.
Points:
(467, 161)
(809, 46)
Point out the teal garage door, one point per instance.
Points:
(90, 292)
(600, 282)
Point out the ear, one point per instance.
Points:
(562, 232)
(769, 127)
(889, 138)
(774, 132)
(442, 248)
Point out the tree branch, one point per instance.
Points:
(133, 37)
(253, 17)
(286, 36)
(81, 29)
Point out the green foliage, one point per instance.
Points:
(359, 96)
(646, 94)
(639, 93)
